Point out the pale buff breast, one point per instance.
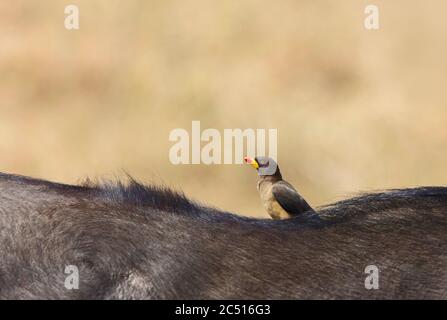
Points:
(269, 202)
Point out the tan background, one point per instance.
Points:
(356, 110)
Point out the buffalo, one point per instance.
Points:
(128, 240)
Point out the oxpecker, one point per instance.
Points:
(279, 198)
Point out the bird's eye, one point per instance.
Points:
(264, 164)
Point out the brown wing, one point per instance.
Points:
(289, 199)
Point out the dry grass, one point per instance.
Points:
(355, 109)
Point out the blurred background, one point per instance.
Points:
(356, 110)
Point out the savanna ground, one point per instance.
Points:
(355, 110)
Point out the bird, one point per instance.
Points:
(279, 198)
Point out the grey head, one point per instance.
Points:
(266, 166)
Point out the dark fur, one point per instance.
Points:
(132, 241)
